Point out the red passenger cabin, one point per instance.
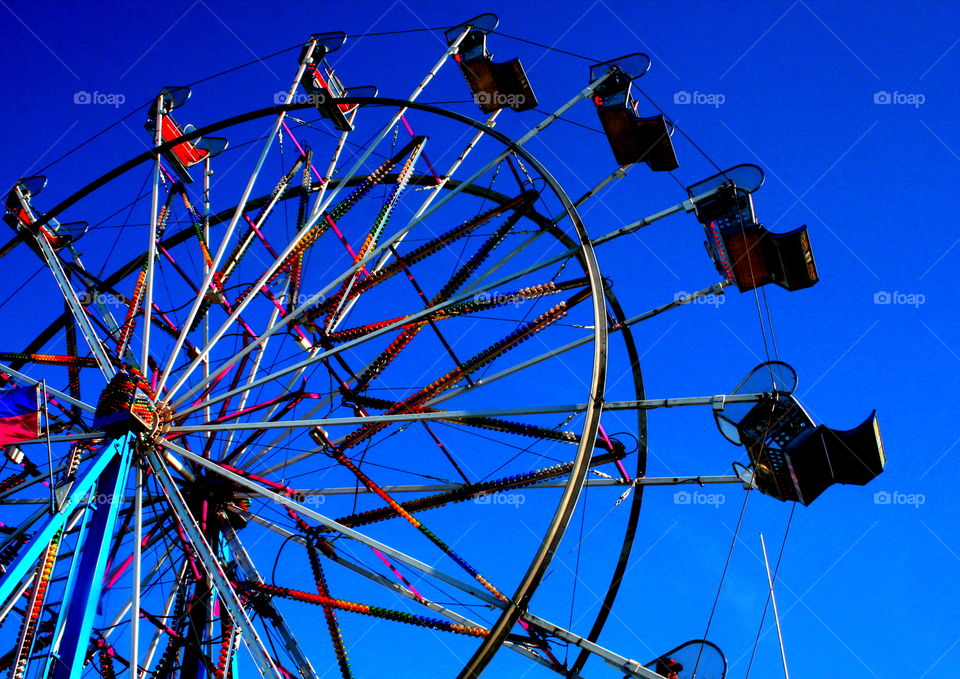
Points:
(633, 138)
(188, 153)
(494, 85)
(322, 84)
(20, 216)
(745, 252)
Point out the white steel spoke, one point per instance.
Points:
(207, 268)
(715, 289)
(212, 566)
(137, 557)
(221, 251)
(330, 523)
(466, 415)
(315, 216)
(76, 308)
(151, 242)
(250, 569)
(598, 482)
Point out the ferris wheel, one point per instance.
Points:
(325, 381)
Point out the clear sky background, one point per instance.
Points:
(851, 108)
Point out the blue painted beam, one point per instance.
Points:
(94, 552)
(28, 556)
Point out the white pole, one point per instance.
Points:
(46, 425)
(776, 615)
(147, 293)
(137, 558)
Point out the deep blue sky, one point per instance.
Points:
(866, 588)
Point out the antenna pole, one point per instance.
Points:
(776, 615)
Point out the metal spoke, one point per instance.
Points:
(137, 557)
(315, 215)
(224, 243)
(250, 569)
(213, 567)
(151, 243)
(76, 309)
(466, 415)
(329, 523)
(597, 482)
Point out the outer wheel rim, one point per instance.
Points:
(586, 254)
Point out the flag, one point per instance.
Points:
(19, 414)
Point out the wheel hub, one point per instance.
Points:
(128, 405)
(210, 495)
